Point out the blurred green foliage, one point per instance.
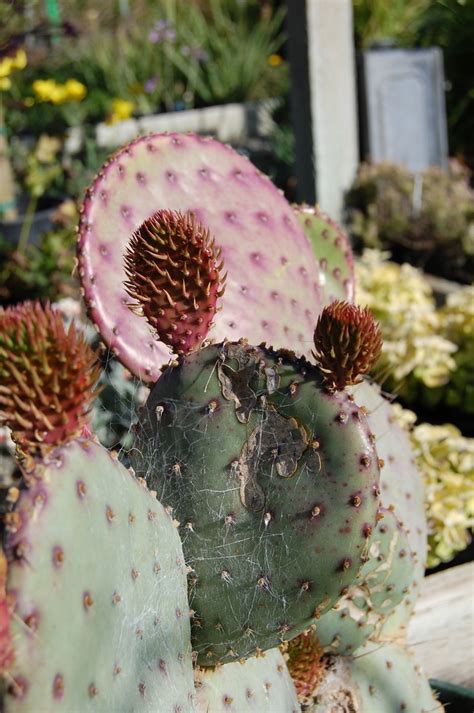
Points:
(161, 56)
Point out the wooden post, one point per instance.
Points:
(323, 94)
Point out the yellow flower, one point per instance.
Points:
(121, 109)
(44, 88)
(76, 91)
(8, 64)
(275, 60)
(5, 84)
(5, 67)
(48, 90)
(20, 60)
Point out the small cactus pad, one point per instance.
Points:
(96, 572)
(263, 246)
(379, 679)
(47, 376)
(258, 685)
(401, 489)
(173, 273)
(332, 250)
(275, 483)
(383, 583)
(347, 342)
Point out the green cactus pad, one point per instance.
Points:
(260, 684)
(275, 483)
(382, 585)
(96, 570)
(401, 489)
(332, 250)
(379, 679)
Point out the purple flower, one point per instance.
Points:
(163, 31)
(151, 84)
(196, 53)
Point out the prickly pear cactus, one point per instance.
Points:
(379, 679)
(332, 250)
(274, 480)
(382, 584)
(401, 490)
(262, 244)
(260, 684)
(97, 576)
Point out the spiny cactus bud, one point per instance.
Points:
(173, 271)
(305, 663)
(47, 376)
(348, 342)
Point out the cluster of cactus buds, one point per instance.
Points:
(253, 516)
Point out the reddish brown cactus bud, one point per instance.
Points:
(305, 664)
(173, 271)
(47, 377)
(348, 343)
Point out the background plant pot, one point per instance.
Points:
(10, 230)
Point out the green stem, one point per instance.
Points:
(27, 222)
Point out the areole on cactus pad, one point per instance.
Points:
(274, 290)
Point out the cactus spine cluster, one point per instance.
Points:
(254, 517)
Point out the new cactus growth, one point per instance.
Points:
(47, 377)
(347, 343)
(173, 271)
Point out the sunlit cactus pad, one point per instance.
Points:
(273, 285)
(101, 621)
(384, 582)
(332, 250)
(260, 684)
(401, 488)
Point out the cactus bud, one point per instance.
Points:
(173, 270)
(348, 342)
(305, 663)
(47, 376)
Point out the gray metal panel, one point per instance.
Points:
(405, 107)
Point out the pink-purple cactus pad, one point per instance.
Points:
(273, 288)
